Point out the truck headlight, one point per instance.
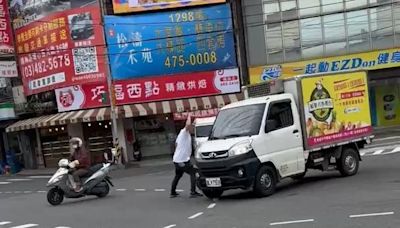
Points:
(240, 148)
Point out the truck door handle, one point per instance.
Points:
(295, 131)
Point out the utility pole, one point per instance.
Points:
(111, 92)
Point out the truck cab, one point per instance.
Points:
(202, 129)
(256, 142)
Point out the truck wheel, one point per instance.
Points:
(348, 163)
(265, 182)
(213, 194)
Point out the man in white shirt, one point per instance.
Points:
(183, 152)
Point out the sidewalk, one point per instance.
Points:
(133, 168)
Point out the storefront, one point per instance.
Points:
(151, 125)
(383, 78)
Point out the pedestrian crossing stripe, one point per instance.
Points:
(380, 152)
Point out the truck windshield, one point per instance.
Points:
(237, 122)
(203, 131)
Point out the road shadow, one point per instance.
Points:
(287, 187)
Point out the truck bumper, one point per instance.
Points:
(227, 169)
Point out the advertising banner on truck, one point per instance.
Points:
(336, 108)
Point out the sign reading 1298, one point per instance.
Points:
(173, 42)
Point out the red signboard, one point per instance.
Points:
(196, 114)
(178, 86)
(6, 39)
(82, 97)
(63, 49)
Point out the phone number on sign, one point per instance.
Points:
(52, 63)
(193, 59)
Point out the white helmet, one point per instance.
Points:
(76, 140)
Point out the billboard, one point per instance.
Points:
(6, 38)
(8, 69)
(336, 108)
(62, 49)
(176, 87)
(373, 60)
(125, 6)
(82, 97)
(189, 40)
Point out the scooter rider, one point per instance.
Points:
(80, 161)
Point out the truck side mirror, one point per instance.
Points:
(271, 125)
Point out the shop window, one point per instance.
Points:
(274, 44)
(55, 145)
(335, 34)
(358, 31)
(382, 27)
(351, 5)
(396, 14)
(309, 7)
(331, 6)
(291, 34)
(311, 37)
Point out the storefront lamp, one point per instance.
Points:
(56, 129)
(50, 130)
(99, 123)
(105, 126)
(109, 123)
(89, 124)
(62, 128)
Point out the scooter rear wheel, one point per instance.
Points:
(105, 193)
(55, 196)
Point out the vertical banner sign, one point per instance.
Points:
(6, 38)
(387, 100)
(125, 6)
(61, 49)
(336, 108)
(173, 42)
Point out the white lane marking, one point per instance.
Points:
(291, 222)
(395, 150)
(159, 190)
(7, 192)
(25, 226)
(140, 189)
(27, 192)
(170, 226)
(195, 215)
(372, 214)
(378, 152)
(121, 190)
(62, 227)
(180, 190)
(5, 183)
(15, 180)
(1, 192)
(41, 192)
(362, 153)
(17, 192)
(211, 206)
(4, 223)
(40, 177)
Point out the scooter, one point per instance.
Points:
(61, 184)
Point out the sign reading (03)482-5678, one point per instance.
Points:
(62, 49)
(173, 42)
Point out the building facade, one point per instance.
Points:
(286, 38)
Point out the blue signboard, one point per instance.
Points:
(172, 42)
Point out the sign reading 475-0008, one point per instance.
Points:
(172, 42)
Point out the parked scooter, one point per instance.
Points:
(96, 182)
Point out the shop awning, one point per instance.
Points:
(89, 115)
(126, 111)
(177, 106)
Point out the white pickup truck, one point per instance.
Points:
(314, 122)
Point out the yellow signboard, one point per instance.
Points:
(126, 6)
(336, 108)
(369, 61)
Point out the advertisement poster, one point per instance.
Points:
(6, 38)
(8, 69)
(336, 108)
(387, 100)
(369, 61)
(82, 97)
(176, 87)
(173, 42)
(63, 49)
(125, 6)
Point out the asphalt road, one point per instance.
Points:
(369, 200)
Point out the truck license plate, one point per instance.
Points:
(213, 182)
